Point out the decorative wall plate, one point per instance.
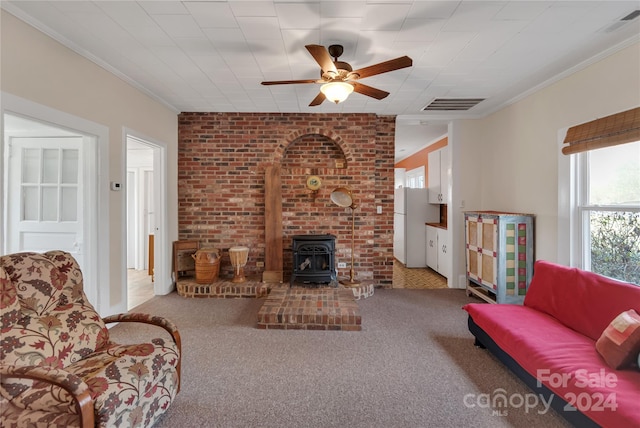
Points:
(314, 182)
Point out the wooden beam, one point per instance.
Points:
(273, 262)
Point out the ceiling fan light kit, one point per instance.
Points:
(338, 79)
(336, 91)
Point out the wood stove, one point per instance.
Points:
(314, 260)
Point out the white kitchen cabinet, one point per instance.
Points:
(444, 257)
(432, 247)
(438, 257)
(438, 176)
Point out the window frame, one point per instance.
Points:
(418, 174)
(574, 237)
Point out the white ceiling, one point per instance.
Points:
(212, 55)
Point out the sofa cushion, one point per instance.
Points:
(563, 360)
(620, 341)
(569, 295)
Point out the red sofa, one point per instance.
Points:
(550, 343)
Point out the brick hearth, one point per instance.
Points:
(222, 289)
(300, 308)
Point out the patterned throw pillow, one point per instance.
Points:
(620, 341)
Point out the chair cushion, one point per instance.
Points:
(9, 303)
(128, 383)
(55, 325)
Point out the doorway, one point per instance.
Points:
(144, 234)
(50, 202)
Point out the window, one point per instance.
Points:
(415, 178)
(607, 214)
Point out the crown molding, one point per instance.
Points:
(18, 13)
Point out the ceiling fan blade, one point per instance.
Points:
(369, 91)
(318, 100)
(289, 82)
(321, 55)
(384, 67)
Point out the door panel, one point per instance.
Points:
(45, 187)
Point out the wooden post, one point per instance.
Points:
(273, 264)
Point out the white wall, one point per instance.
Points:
(511, 157)
(39, 69)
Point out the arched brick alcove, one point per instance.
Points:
(293, 209)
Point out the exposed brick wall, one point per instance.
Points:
(221, 164)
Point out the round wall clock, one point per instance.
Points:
(314, 182)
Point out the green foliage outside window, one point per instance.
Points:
(615, 245)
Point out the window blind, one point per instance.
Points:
(619, 128)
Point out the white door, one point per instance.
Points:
(131, 219)
(149, 214)
(45, 195)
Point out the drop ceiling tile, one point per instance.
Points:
(293, 44)
(150, 35)
(341, 9)
(473, 16)
(433, 9)
(127, 14)
(70, 6)
(224, 77)
(221, 37)
(298, 15)
(488, 42)
(162, 7)
(212, 14)
(558, 16)
(253, 8)
(375, 46)
(522, 10)
(178, 25)
(336, 27)
(384, 17)
(411, 49)
(420, 30)
(260, 28)
(445, 49)
(195, 45)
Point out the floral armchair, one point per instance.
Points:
(58, 366)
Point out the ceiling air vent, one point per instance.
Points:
(625, 20)
(452, 104)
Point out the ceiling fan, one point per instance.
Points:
(339, 79)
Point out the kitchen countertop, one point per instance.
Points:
(438, 225)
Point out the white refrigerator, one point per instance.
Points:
(411, 211)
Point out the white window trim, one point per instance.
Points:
(415, 173)
(572, 214)
(566, 207)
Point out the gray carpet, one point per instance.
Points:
(412, 365)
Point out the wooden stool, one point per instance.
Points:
(238, 256)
